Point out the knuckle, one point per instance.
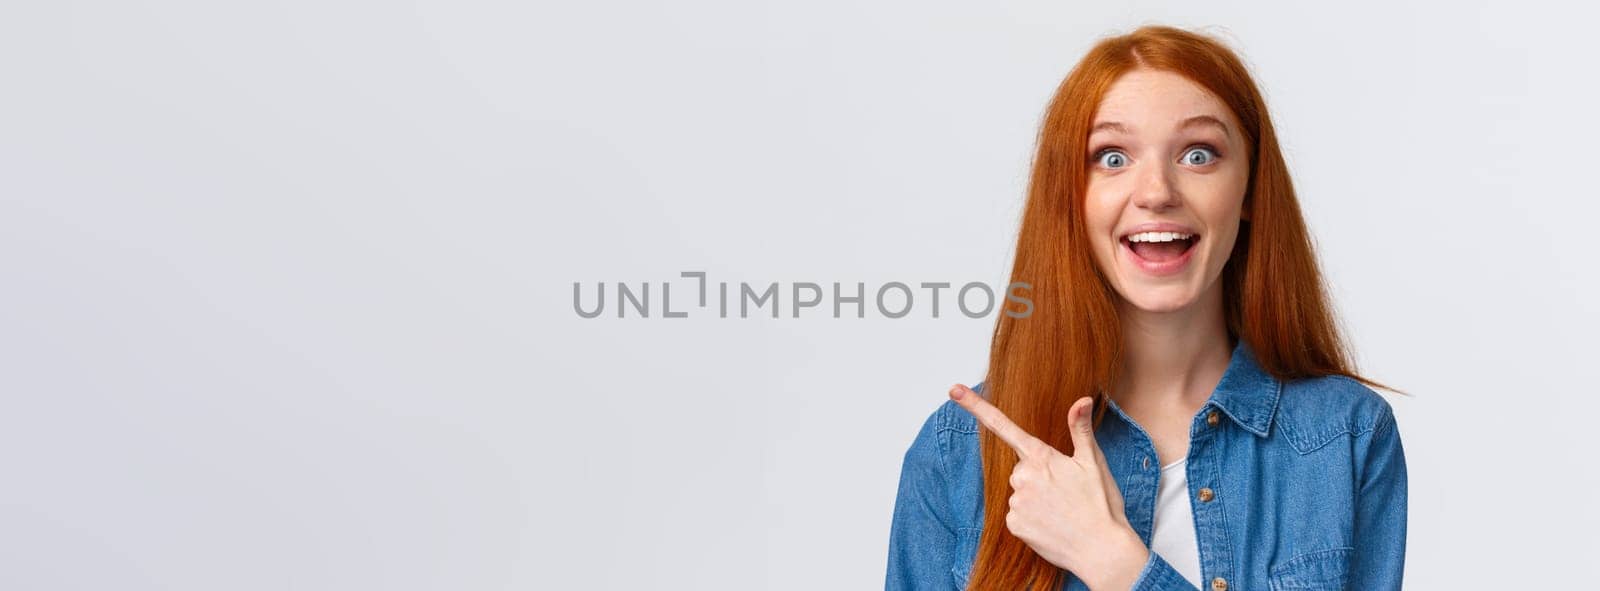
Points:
(1037, 448)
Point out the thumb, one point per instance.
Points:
(1084, 446)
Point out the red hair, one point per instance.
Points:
(1071, 344)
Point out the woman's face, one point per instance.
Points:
(1165, 155)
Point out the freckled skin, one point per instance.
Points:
(1154, 177)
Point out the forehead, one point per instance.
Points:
(1155, 100)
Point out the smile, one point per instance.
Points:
(1160, 254)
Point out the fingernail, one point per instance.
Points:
(955, 392)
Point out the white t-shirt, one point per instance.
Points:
(1172, 534)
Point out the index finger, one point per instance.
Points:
(1020, 441)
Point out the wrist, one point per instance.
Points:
(1124, 560)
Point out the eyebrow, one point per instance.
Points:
(1197, 120)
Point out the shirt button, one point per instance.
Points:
(1219, 584)
(1205, 497)
(1147, 462)
(1212, 418)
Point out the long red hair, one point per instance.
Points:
(1071, 344)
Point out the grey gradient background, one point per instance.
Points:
(285, 287)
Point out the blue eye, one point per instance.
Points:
(1111, 158)
(1199, 155)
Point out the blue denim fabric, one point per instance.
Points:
(1308, 479)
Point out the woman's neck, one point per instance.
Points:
(1174, 358)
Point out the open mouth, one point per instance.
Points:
(1166, 247)
(1160, 252)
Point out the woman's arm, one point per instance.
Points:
(922, 537)
(1380, 520)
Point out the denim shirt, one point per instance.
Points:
(1294, 485)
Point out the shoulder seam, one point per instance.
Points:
(941, 443)
(948, 419)
(1385, 422)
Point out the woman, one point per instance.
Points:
(1179, 411)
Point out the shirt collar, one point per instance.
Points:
(1247, 393)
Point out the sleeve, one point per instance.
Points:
(922, 536)
(1159, 575)
(1380, 520)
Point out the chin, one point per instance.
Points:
(1159, 302)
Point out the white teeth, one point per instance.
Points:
(1158, 236)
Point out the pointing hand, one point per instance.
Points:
(1068, 509)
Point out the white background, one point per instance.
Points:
(286, 287)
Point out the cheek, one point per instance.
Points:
(1100, 211)
(1221, 209)
(1239, 180)
(1218, 199)
(1100, 219)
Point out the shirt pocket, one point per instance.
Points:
(1318, 570)
(966, 552)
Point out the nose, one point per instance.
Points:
(1155, 191)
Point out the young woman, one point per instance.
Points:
(1179, 410)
